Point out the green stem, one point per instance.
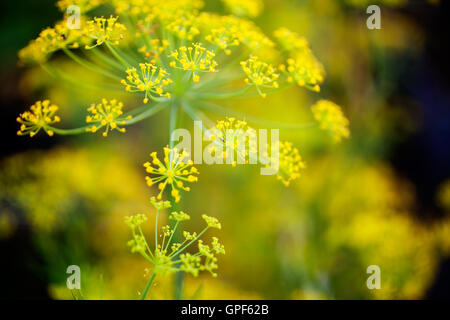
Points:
(197, 115)
(142, 116)
(179, 276)
(101, 286)
(226, 95)
(117, 56)
(106, 59)
(145, 240)
(263, 122)
(191, 242)
(89, 65)
(148, 285)
(171, 236)
(80, 84)
(69, 132)
(146, 114)
(156, 229)
(173, 121)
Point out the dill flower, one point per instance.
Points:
(221, 32)
(41, 115)
(179, 216)
(260, 74)
(155, 38)
(247, 8)
(157, 33)
(51, 40)
(290, 163)
(149, 80)
(228, 32)
(175, 170)
(160, 205)
(212, 222)
(196, 59)
(229, 136)
(169, 256)
(226, 134)
(107, 114)
(135, 221)
(301, 66)
(331, 118)
(183, 26)
(104, 30)
(290, 40)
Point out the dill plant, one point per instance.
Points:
(171, 54)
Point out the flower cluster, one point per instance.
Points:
(104, 30)
(301, 66)
(196, 59)
(183, 26)
(222, 35)
(290, 163)
(175, 170)
(148, 80)
(230, 137)
(260, 74)
(156, 34)
(168, 255)
(107, 114)
(51, 40)
(330, 118)
(40, 116)
(227, 32)
(235, 136)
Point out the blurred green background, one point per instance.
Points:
(379, 198)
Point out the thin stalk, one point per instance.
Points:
(156, 229)
(101, 286)
(171, 236)
(148, 285)
(173, 121)
(179, 276)
(146, 244)
(142, 116)
(191, 242)
(263, 122)
(108, 60)
(226, 95)
(117, 56)
(89, 65)
(146, 114)
(69, 132)
(197, 115)
(80, 84)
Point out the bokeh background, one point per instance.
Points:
(380, 198)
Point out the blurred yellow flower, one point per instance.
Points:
(330, 118)
(41, 115)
